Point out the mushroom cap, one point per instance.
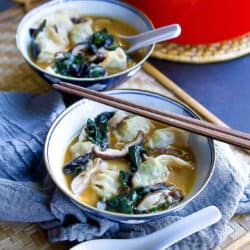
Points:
(110, 154)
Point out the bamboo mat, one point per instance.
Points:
(17, 76)
(204, 53)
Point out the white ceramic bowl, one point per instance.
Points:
(110, 8)
(69, 123)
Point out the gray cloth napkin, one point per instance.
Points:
(28, 195)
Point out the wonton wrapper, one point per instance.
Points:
(130, 127)
(162, 138)
(54, 37)
(150, 172)
(116, 59)
(81, 32)
(106, 181)
(48, 46)
(156, 170)
(81, 148)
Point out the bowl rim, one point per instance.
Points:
(121, 216)
(27, 58)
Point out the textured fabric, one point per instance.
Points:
(27, 194)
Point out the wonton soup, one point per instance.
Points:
(128, 164)
(69, 44)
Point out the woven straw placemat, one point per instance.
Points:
(16, 75)
(204, 53)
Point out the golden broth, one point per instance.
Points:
(181, 178)
(115, 27)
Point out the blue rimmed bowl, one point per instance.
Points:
(70, 122)
(109, 8)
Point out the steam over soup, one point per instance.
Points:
(129, 164)
(70, 44)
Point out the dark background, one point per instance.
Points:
(224, 88)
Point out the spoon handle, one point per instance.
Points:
(154, 36)
(181, 229)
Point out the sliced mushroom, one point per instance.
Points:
(152, 200)
(79, 49)
(81, 181)
(98, 57)
(81, 161)
(158, 198)
(117, 118)
(110, 154)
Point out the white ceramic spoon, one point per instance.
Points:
(161, 239)
(145, 39)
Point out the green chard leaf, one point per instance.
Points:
(135, 153)
(97, 130)
(127, 201)
(125, 179)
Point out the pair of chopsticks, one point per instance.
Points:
(201, 127)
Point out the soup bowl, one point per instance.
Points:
(70, 122)
(107, 8)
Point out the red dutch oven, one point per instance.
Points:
(202, 21)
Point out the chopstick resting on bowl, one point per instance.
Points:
(201, 127)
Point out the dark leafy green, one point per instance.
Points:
(125, 179)
(35, 48)
(69, 65)
(126, 202)
(135, 153)
(77, 65)
(35, 32)
(77, 165)
(102, 120)
(96, 70)
(97, 130)
(102, 39)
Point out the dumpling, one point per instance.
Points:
(48, 46)
(54, 37)
(129, 128)
(106, 181)
(156, 170)
(81, 32)
(173, 161)
(116, 59)
(81, 148)
(62, 20)
(162, 138)
(151, 172)
(117, 118)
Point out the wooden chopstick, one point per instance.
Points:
(194, 125)
(171, 115)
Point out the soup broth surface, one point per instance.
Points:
(54, 38)
(182, 178)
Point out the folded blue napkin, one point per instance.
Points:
(28, 195)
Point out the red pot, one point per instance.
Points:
(202, 21)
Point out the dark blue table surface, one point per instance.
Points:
(224, 88)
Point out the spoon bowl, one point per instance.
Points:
(147, 38)
(161, 239)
